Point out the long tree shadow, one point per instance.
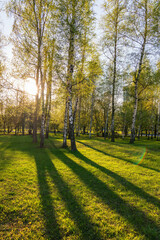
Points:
(142, 223)
(52, 229)
(114, 156)
(45, 168)
(77, 214)
(138, 191)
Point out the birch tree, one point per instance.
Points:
(73, 15)
(113, 26)
(140, 36)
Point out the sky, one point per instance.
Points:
(6, 28)
(7, 22)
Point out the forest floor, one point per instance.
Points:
(104, 191)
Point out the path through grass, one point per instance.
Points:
(96, 193)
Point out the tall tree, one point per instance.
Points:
(73, 18)
(113, 27)
(140, 35)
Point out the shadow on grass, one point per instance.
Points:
(152, 144)
(138, 191)
(142, 224)
(80, 218)
(135, 217)
(45, 168)
(20, 144)
(52, 228)
(114, 156)
(4, 159)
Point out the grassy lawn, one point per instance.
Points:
(100, 192)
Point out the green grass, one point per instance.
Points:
(96, 193)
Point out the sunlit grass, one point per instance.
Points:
(97, 193)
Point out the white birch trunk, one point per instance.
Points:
(137, 75)
(106, 125)
(91, 118)
(65, 125)
(42, 130)
(70, 77)
(79, 117)
(71, 124)
(158, 122)
(132, 139)
(75, 111)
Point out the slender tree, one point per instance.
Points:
(73, 18)
(113, 26)
(139, 20)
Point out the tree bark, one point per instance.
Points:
(114, 78)
(65, 125)
(146, 132)
(23, 124)
(48, 115)
(152, 130)
(4, 127)
(43, 114)
(42, 81)
(49, 95)
(79, 117)
(91, 117)
(158, 122)
(71, 125)
(106, 126)
(132, 139)
(75, 111)
(38, 29)
(35, 119)
(70, 78)
(37, 97)
(81, 78)
(47, 126)
(139, 132)
(148, 135)
(42, 130)
(84, 130)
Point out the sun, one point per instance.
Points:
(30, 87)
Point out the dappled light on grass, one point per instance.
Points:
(52, 193)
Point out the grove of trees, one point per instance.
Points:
(104, 81)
